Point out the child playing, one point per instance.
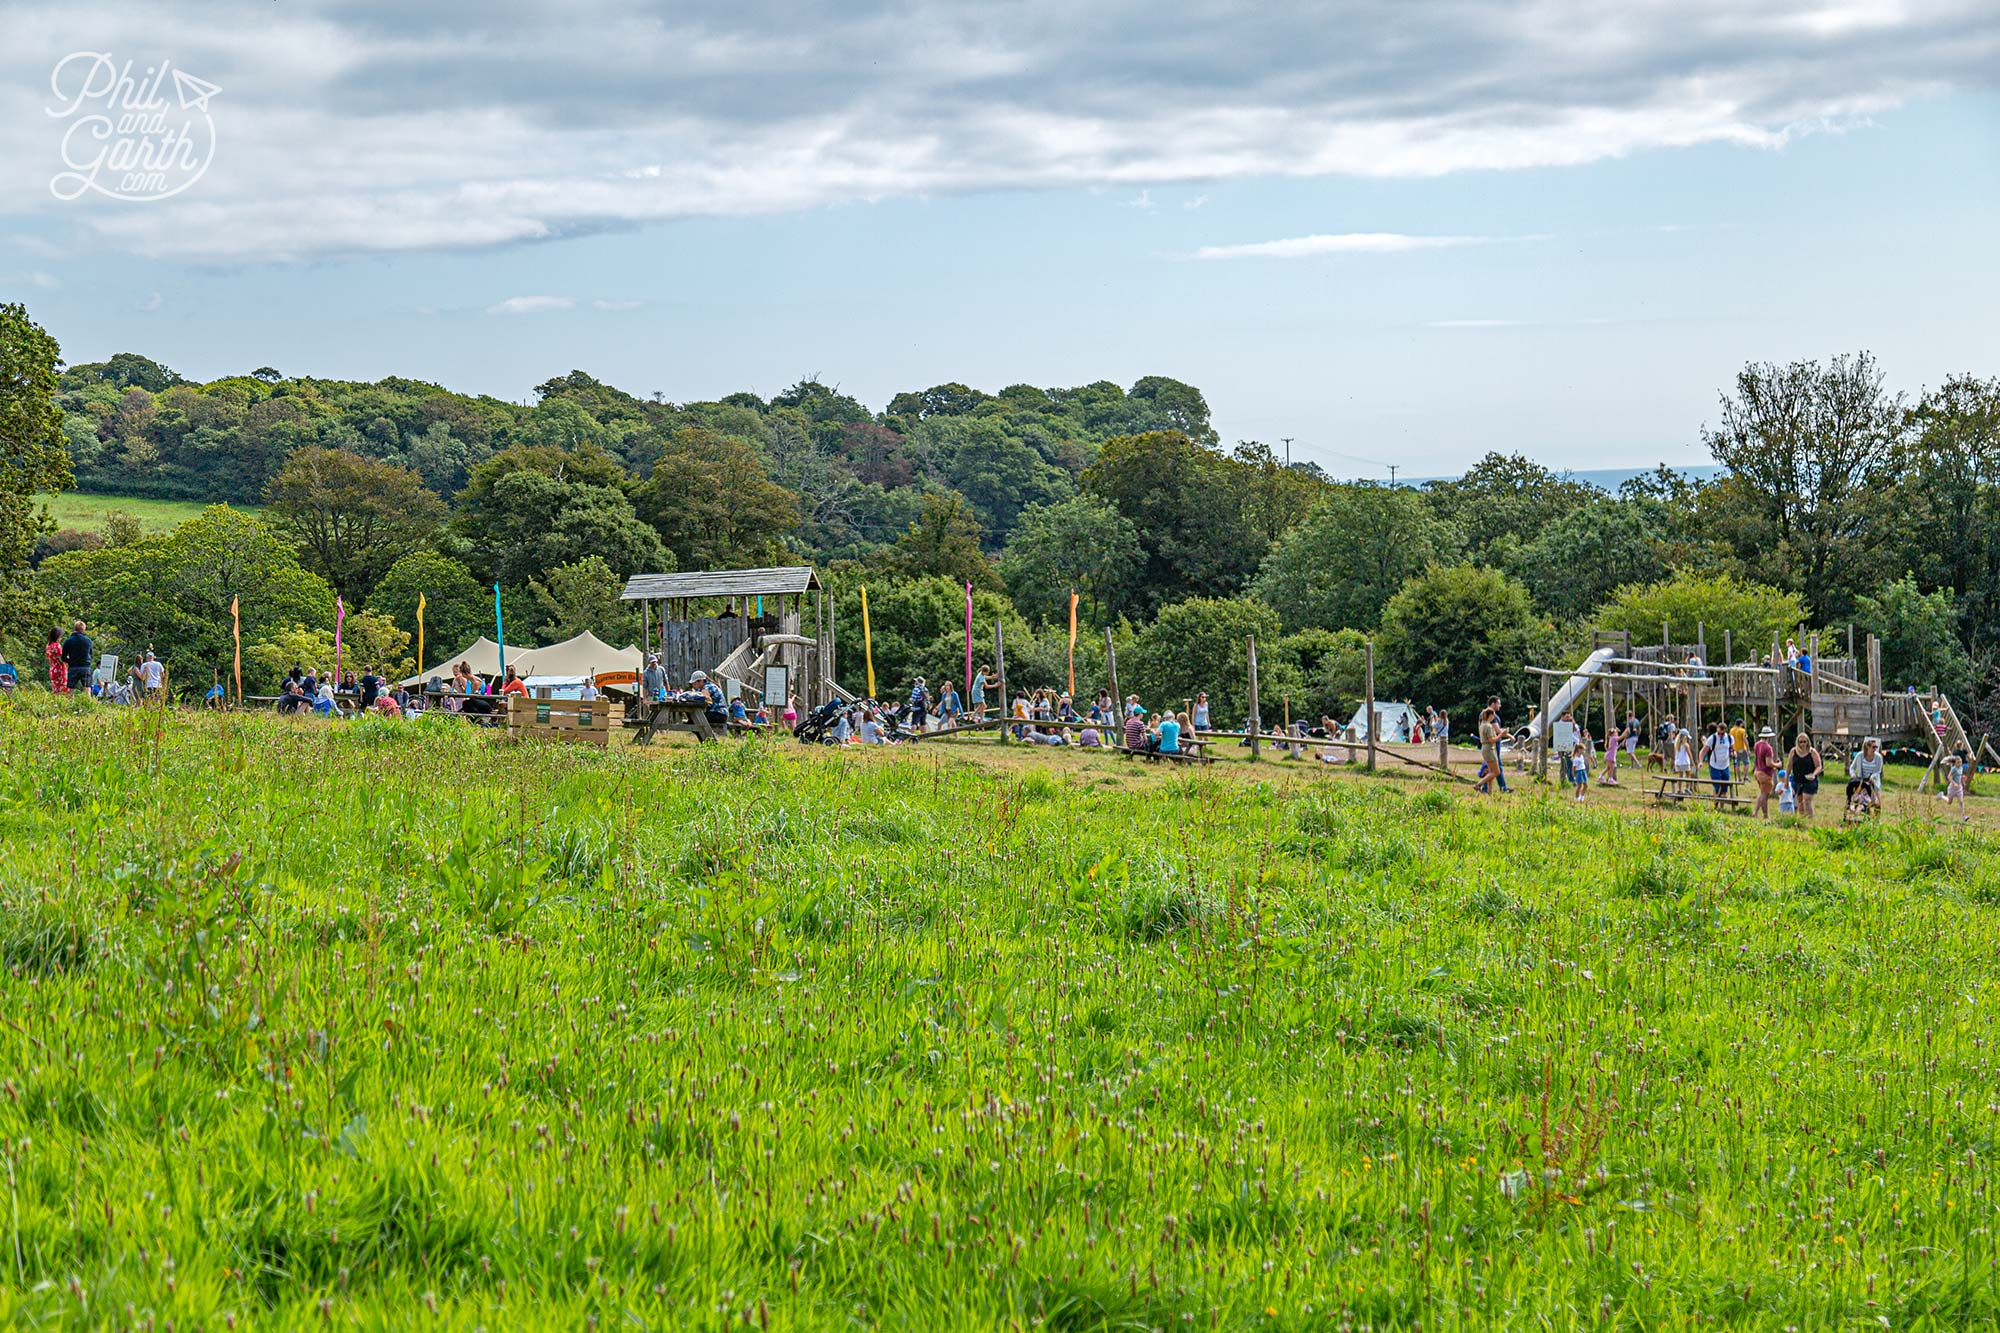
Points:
(1579, 765)
(1788, 804)
(1611, 744)
(1954, 787)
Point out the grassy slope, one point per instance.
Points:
(386, 1016)
(74, 509)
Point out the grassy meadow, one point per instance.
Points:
(74, 509)
(391, 1025)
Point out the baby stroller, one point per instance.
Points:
(814, 726)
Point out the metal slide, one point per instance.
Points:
(1572, 689)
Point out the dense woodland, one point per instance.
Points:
(1842, 502)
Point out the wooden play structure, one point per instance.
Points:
(1839, 700)
(744, 628)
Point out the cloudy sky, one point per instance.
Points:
(1400, 232)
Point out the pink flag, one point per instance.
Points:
(968, 639)
(339, 615)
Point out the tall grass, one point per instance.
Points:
(406, 1027)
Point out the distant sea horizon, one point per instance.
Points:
(1605, 478)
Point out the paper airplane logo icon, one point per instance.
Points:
(194, 93)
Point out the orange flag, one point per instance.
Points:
(1072, 643)
(236, 616)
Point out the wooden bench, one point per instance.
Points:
(1675, 789)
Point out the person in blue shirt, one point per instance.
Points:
(737, 712)
(717, 709)
(1170, 734)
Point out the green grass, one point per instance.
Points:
(74, 509)
(308, 1025)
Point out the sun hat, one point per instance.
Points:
(1767, 735)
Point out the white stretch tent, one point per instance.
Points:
(584, 655)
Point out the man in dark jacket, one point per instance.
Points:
(79, 654)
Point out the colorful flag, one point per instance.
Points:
(236, 619)
(499, 631)
(1072, 643)
(339, 615)
(867, 641)
(421, 603)
(968, 639)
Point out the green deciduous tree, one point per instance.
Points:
(1506, 496)
(713, 504)
(1710, 604)
(33, 457)
(1456, 635)
(351, 517)
(457, 607)
(1186, 503)
(1082, 543)
(585, 595)
(530, 508)
(1919, 634)
(1339, 568)
(367, 639)
(1201, 644)
(944, 540)
(172, 593)
(1807, 443)
(1579, 560)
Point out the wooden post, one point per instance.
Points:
(1778, 669)
(1850, 641)
(1000, 669)
(1874, 683)
(1255, 724)
(1542, 735)
(1812, 681)
(1117, 700)
(1728, 649)
(1368, 661)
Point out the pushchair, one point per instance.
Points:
(814, 726)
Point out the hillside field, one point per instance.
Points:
(391, 1025)
(75, 509)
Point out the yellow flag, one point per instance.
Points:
(420, 633)
(867, 641)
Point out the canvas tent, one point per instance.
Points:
(584, 655)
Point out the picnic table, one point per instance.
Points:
(650, 717)
(1191, 752)
(1675, 788)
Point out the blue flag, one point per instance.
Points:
(499, 631)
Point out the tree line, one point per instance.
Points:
(1839, 501)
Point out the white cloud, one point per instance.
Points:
(530, 305)
(377, 127)
(47, 282)
(1342, 243)
(1195, 202)
(1143, 201)
(1476, 323)
(615, 305)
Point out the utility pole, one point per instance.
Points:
(1288, 448)
(1392, 474)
